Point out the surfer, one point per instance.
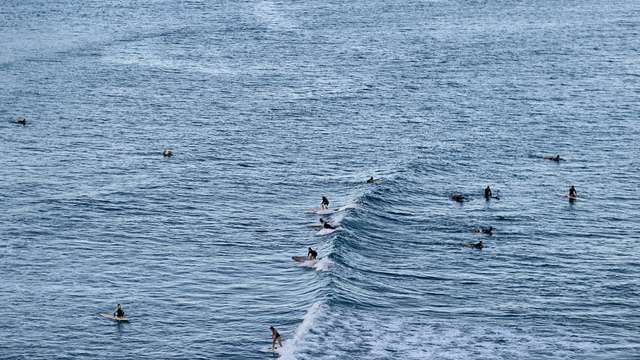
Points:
(312, 254)
(485, 230)
(487, 193)
(167, 152)
(477, 245)
(119, 311)
(326, 225)
(572, 192)
(20, 120)
(324, 204)
(275, 336)
(554, 158)
(457, 197)
(371, 180)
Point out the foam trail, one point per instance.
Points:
(290, 347)
(319, 265)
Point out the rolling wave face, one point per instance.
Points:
(418, 293)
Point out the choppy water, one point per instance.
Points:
(270, 104)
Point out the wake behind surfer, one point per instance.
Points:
(119, 312)
(324, 204)
(312, 254)
(275, 337)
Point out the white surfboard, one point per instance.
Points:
(114, 318)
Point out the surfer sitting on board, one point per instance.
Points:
(324, 204)
(275, 336)
(312, 254)
(572, 192)
(487, 193)
(119, 311)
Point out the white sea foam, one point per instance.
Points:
(319, 265)
(290, 347)
(362, 335)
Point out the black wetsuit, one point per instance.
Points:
(325, 201)
(572, 192)
(119, 312)
(326, 225)
(487, 193)
(312, 255)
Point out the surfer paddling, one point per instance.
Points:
(477, 245)
(483, 230)
(556, 158)
(326, 225)
(119, 313)
(275, 337)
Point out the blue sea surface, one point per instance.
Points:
(267, 106)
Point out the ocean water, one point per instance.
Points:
(268, 105)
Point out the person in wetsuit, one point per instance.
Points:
(326, 225)
(312, 254)
(371, 180)
(572, 192)
(487, 193)
(119, 311)
(275, 336)
(324, 204)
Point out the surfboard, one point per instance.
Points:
(323, 232)
(315, 225)
(276, 351)
(299, 258)
(114, 318)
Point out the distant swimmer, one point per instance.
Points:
(324, 204)
(573, 194)
(457, 197)
(554, 158)
(275, 337)
(312, 254)
(477, 245)
(483, 230)
(119, 311)
(21, 120)
(167, 152)
(487, 193)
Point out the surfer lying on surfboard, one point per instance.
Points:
(483, 230)
(275, 337)
(477, 245)
(554, 158)
(326, 225)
